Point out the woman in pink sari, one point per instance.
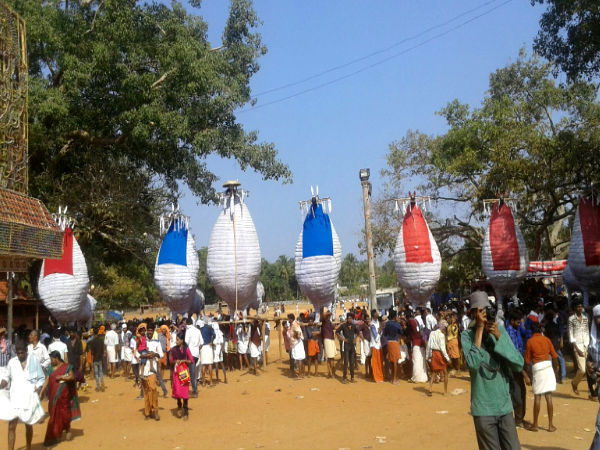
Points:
(63, 406)
(181, 358)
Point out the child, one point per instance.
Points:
(140, 342)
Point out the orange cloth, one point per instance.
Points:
(453, 350)
(393, 349)
(438, 363)
(165, 330)
(376, 365)
(313, 347)
(150, 389)
(539, 348)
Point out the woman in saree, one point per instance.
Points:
(180, 355)
(63, 406)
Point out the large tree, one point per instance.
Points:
(531, 140)
(127, 99)
(570, 36)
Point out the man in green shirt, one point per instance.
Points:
(491, 358)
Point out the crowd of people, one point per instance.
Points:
(502, 352)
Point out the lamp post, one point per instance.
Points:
(366, 188)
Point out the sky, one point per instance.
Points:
(427, 54)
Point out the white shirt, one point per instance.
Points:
(151, 365)
(60, 347)
(466, 321)
(193, 338)
(430, 322)
(41, 354)
(173, 338)
(419, 320)
(111, 338)
(133, 346)
(375, 337)
(437, 341)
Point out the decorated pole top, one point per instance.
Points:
(233, 194)
(176, 218)
(62, 219)
(312, 204)
(410, 202)
(489, 203)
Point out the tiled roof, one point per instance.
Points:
(27, 228)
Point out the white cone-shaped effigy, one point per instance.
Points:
(197, 303)
(176, 268)
(259, 296)
(584, 252)
(63, 283)
(417, 257)
(230, 255)
(318, 258)
(504, 257)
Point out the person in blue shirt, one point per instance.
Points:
(593, 365)
(206, 352)
(392, 332)
(518, 393)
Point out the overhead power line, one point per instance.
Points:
(377, 63)
(375, 53)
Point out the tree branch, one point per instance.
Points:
(158, 82)
(94, 18)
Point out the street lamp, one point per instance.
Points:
(364, 174)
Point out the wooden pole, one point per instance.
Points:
(368, 237)
(280, 339)
(37, 314)
(264, 350)
(9, 300)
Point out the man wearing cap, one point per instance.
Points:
(579, 337)
(491, 358)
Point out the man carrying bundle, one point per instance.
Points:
(328, 342)
(148, 374)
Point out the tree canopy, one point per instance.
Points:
(127, 99)
(531, 139)
(570, 36)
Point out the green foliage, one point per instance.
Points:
(570, 36)
(279, 279)
(531, 139)
(355, 272)
(210, 296)
(131, 285)
(126, 101)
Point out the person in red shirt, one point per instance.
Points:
(541, 353)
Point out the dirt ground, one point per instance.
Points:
(273, 411)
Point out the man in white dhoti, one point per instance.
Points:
(297, 344)
(541, 353)
(218, 346)
(19, 400)
(111, 341)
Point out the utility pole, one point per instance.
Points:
(366, 188)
